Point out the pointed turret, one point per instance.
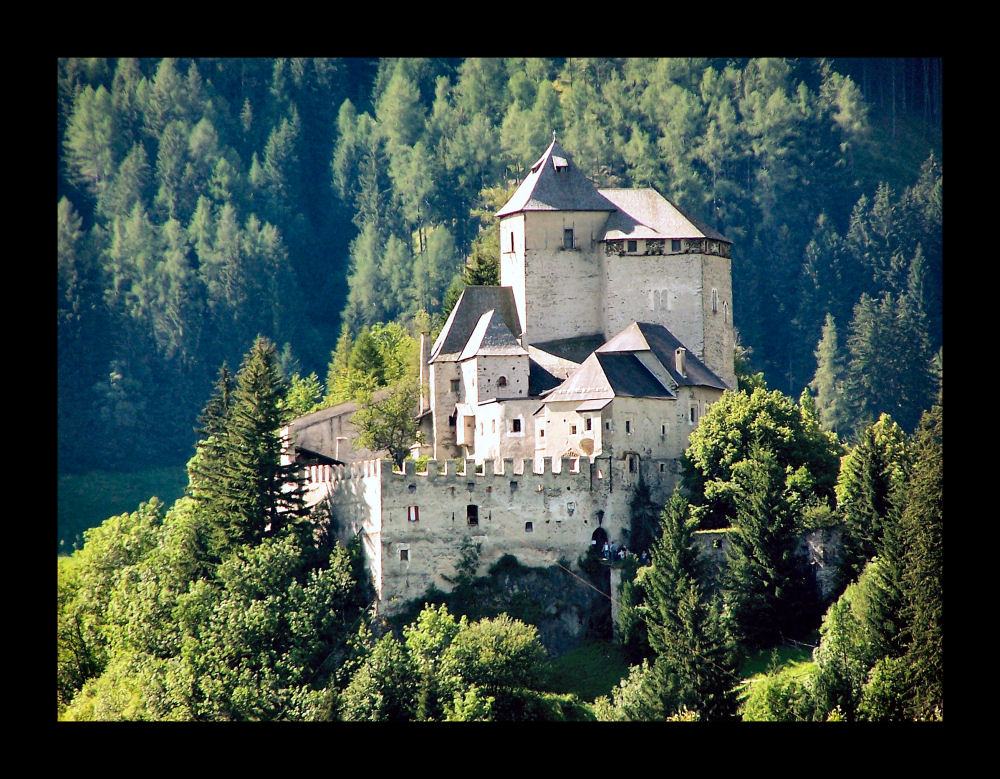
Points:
(555, 184)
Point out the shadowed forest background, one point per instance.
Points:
(241, 241)
(204, 201)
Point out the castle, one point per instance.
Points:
(547, 399)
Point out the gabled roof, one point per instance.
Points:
(663, 345)
(645, 213)
(491, 337)
(638, 362)
(473, 303)
(574, 350)
(555, 184)
(607, 376)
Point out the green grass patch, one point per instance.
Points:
(786, 658)
(589, 671)
(85, 500)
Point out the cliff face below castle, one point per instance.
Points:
(567, 608)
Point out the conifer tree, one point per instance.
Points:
(828, 382)
(923, 579)
(870, 478)
(693, 666)
(767, 590)
(259, 492)
(237, 475)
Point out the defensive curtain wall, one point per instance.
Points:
(413, 525)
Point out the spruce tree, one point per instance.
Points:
(206, 469)
(237, 475)
(767, 589)
(869, 478)
(828, 381)
(693, 667)
(923, 580)
(259, 491)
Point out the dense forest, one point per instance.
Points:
(244, 240)
(203, 202)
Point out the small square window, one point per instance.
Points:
(675, 245)
(528, 527)
(454, 385)
(472, 514)
(515, 425)
(404, 555)
(631, 246)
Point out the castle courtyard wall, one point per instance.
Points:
(413, 525)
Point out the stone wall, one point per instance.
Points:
(414, 524)
(562, 287)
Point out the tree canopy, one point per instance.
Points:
(204, 201)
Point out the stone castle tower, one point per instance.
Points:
(550, 397)
(583, 261)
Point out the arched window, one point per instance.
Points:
(502, 381)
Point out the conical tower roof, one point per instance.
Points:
(555, 184)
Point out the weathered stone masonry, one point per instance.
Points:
(413, 525)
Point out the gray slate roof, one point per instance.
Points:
(645, 213)
(473, 303)
(646, 336)
(555, 184)
(491, 336)
(615, 369)
(606, 376)
(573, 349)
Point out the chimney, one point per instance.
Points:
(679, 359)
(425, 347)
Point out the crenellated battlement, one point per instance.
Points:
(570, 469)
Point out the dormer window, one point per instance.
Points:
(561, 164)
